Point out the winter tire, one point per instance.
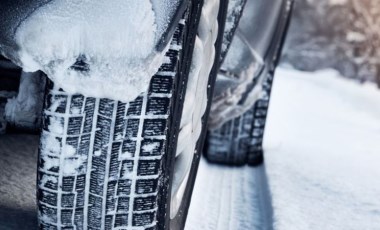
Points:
(105, 164)
(240, 141)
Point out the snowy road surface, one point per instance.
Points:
(323, 152)
(18, 157)
(322, 148)
(322, 166)
(230, 198)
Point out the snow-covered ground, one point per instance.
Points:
(322, 162)
(323, 152)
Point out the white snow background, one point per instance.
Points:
(322, 161)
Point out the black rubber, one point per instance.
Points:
(104, 164)
(240, 141)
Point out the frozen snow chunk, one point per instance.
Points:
(96, 48)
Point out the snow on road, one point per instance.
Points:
(323, 152)
(322, 148)
(229, 198)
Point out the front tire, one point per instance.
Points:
(105, 164)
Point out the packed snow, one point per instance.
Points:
(96, 48)
(321, 160)
(323, 152)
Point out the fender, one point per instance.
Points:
(14, 12)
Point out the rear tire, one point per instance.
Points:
(240, 140)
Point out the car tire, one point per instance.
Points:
(239, 141)
(105, 164)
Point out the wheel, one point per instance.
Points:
(105, 164)
(239, 140)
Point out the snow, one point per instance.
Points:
(95, 48)
(321, 162)
(322, 152)
(228, 198)
(24, 109)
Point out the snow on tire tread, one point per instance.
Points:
(100, 160)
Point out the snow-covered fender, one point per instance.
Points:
(14, 12)
(94, 48)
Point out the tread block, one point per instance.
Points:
(124, 187)
(154, 127)
(121, 220)
(119, 121)
(57, 102)
(68, 183)
(144, 203)
(53, 124)
(146, 186)
(148, 167)
(47, 213)
(132, 128)
(141, 219)
(110, 198)
(52, 166)
(80, 198)
(122, 204)
(106, 107)
(74, 126)
(151, 147)
(94, 211)
(79, 218)
(97, 180)
(76, 105)
(80, 183)
(109, 221)
(158, 106)
(163, 84)
(48, 181)
(135, 107)
(84, 145)
(126, 169)
(68, 200)
(66, 217)
(47, 197)
(129, 148)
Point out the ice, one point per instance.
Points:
(96, 48)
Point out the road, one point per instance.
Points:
(230, 198)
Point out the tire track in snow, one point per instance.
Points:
(230, 198)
